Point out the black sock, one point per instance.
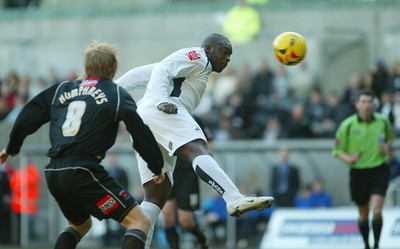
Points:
(364, 230)
(134, 238)
(377, 228)
(68, 239)
(172, 237)
(201, 237)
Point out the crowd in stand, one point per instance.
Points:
(272, 104)
(267, 103)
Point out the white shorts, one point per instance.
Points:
(171, 132)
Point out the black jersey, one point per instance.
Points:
(84, 118)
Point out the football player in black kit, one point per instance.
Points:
(84, 117)
(184, 200)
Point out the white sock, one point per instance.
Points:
(152, 211)
(211, 173)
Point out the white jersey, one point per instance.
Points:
(179, 79)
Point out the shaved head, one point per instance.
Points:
(215, 39)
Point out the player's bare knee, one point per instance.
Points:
(377, 213)
(157, 193)
(186, 222)
(136, 219)
(83, 228)
(168, 220)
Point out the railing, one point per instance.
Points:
(247, 163)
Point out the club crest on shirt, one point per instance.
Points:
(124, 195)
(193, 55)
(356, 132)
(170, 145)
(196, 128)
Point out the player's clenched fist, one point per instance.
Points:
(168, 108)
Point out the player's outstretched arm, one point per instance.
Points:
(32, 116)
(136, 77)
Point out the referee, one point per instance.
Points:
(363, 143)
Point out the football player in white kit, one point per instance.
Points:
(174, 87)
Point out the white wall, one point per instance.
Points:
(32, 43)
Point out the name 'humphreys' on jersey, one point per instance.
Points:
(99, 96)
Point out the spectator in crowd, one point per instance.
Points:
(303, 197)
(37, 86)
(4, 109)
(337, 111)
(394, 81)
(319, 196)
(381, 77)
(303, 81)
(394, 165)
(317, 111)
(53, 77)
(242, 23)
(224, 86)
(285, 180)
(224, 130)
(13, 114)
(24, 85)
(385, 105)
(281, 82)
(368, 80)
(244, 88)
(262, 84)
(244, 79)
(396, 112)
(232, 111)
(25, 187)
(350, 92)
(8, 91)
(5, 207)
(363, 143)
(273, 130)
(298, 124)
(215, 214)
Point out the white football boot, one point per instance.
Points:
(247, 203)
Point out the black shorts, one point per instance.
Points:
(83, 188)
(186, 187)
(365, 182)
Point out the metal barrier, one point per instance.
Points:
(247, 163)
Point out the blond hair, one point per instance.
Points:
(100, 60)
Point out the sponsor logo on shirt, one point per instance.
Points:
(107, 204)
(193, 55)
(90, 82)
